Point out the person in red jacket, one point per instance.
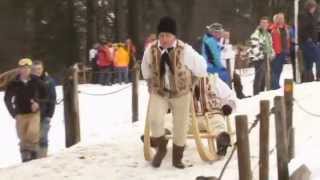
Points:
(280, 40)
(105, 64)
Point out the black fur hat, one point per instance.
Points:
(168, 25)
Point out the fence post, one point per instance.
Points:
(288, 96)
(264, 140)
(82, 73)
(71, 107)
(281, 135)
(268, 73)
(135, 93)
(244, 164)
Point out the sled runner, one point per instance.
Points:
(204, 137)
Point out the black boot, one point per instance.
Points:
(161, 151)
(177, 154)
(223, 142)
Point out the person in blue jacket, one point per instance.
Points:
(211, 51)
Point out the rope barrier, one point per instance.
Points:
(109, 73)
(100, 71)
(304, 109)
(104, 94)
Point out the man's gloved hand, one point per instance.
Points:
(226, 109)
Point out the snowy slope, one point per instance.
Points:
(111, 149)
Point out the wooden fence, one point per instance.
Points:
(71, 100)
(283, 109)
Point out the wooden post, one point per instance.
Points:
(281, 134)
(268, 73)
(71, 107)
(288, 96)
(82, 73)
(264, 140)
(243, 148)
(135, 93)
(296, 48)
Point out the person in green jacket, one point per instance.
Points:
(260, 52)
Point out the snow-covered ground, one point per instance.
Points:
(110, 146)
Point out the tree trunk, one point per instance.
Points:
(105, 19)
(80, 25)
(120, 20)
(135, 24)
(92, 31)
(29, 29)
(187, 12)
(262, 8)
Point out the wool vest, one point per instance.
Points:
(180, 80)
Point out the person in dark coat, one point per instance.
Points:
(23, 97)
(46, 108)
(309, 37)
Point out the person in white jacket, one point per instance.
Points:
(169, 66)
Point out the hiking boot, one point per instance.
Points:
(161, 151)
(223, 142)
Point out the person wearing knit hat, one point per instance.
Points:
(22, 98)
(215, 27)
(168, 65)
(167, 25)
(211, 51)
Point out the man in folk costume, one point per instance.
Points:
(169, 66)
